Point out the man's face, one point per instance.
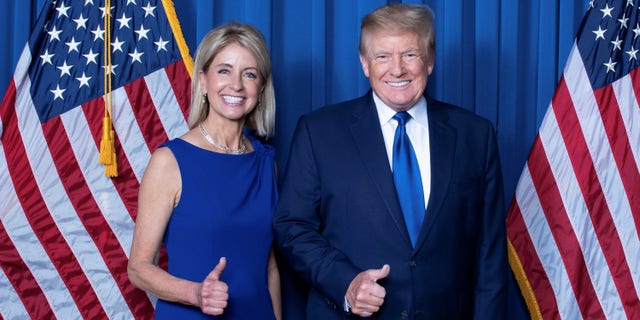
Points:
(397, 67)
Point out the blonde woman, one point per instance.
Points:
(209, 196)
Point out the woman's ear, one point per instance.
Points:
(202, 81)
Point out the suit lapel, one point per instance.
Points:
(365, 128)
(442, 139)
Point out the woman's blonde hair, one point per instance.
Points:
(262, 118)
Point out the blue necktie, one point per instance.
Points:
(406, 175)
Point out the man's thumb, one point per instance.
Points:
(381, 273)
(217, 271)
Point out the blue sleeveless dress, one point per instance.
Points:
(225, 210)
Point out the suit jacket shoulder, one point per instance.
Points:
(342, 110)
(456, 115)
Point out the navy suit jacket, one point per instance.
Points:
(339, 215)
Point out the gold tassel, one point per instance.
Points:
(111, 168)
(105, 144)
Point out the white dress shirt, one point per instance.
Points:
(418, 131)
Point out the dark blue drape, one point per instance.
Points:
(500, 59)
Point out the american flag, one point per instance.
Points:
(65, 227)
(574, 224)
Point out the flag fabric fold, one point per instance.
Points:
(574, 223)
(65, 227)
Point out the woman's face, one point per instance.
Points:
(232, 83)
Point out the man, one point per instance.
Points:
(345, 220)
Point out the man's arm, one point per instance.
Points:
(492, 267)
(298, 221)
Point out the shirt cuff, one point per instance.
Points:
(346, 306)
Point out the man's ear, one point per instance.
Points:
(430, 64)
(365, 65)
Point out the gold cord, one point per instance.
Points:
(107, 144)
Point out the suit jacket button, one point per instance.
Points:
(413, 263)
(404, 314)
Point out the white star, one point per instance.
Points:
(142, 33)
(148, 10)
(162, 45)
(600, 33)
(73, 45)
(606, 11)
(632, 54)
(54, 33)
(62, 10)
(84, 80)
(64, 69)
(610, 65)
(591, 3)
(617, 43)
(57, 93)
(623, 21)
(636, 31)
(81, 22)
(111, 69)
(117, 45)
(103, 11)
(629, 3)
(131, 1)
(135, 56)
(124, 21)
(98, 34)
(86, 2)
(46, 57)
(91, 57)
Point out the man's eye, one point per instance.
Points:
(409, 56)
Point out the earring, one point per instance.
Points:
(205, 101)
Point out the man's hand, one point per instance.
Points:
(214, 293)
(364, 294)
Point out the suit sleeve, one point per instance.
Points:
(298, 222)
(492, 271)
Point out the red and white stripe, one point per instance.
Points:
(575, 220)
(66, 228)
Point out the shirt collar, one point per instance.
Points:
(418, 112)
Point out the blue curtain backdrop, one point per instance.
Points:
(500, 59)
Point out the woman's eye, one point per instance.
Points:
(223, 71)
(250, 75)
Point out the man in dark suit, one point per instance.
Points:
(391, 206)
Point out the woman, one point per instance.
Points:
(209, 195)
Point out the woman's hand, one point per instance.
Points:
(214, 294)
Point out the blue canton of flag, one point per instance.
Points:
(68, 67)
(611, 49)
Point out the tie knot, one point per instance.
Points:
(402, 117)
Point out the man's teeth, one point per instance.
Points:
(398, 84)
(232, 99)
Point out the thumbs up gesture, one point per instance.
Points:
(364, 294)
(214, 293)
